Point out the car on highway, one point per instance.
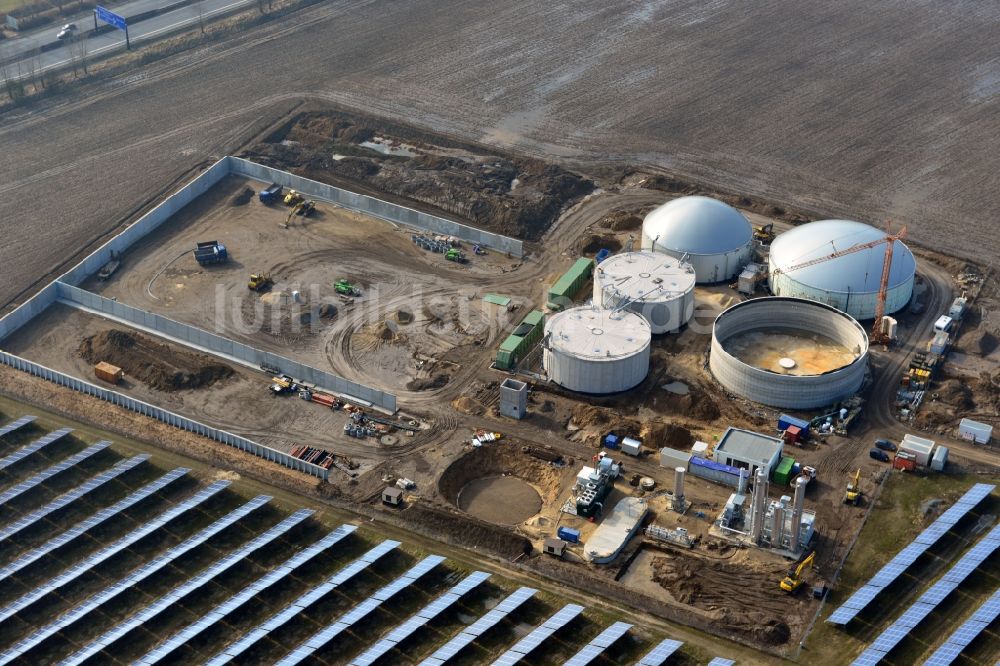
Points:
(877, 454)
(68, 30)
(885, 445)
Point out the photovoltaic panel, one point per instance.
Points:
(49, 472)
(145, 571)
(721, 661)
(928, 601)
(602, 642)
(66, 499)
(966, 633)
(660, 653)
(16, 425)
(479, 627)
(908, 555)
(303, 602)
(33, 447)
(246, 594)
(540, 634)
(110, 550)
(213, 571)
(362, 610)
(420, 618)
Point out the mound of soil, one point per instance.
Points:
(696, 405)
(955, 393)
(585, 415)
(439, 380)
(658, 435)
(979, 341)
(467, 405)
(463, 530)
(594, 243)
(621, 221)
(242, 197)
(157, 365)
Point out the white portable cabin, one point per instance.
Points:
(940, 459)
(921, 448)
(943, 323)
(974, 431)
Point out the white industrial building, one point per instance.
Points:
(745, 449)
(850, 282)
(596, 351)
(714, 237)
(655, 285)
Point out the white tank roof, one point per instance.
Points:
(646, 276)
(697, 225)
(598, 335)
(858, 272)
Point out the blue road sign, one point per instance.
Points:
(111, 18)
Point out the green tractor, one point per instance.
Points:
(346, 288)
(456, 256)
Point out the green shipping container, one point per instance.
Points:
(515, 347)
(782, 474)
(569, 285)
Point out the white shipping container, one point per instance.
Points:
(921, 448)
(700, 449)
(940, 459)
(672, 458)
(943, 323)
(977, 432)
(631, 446)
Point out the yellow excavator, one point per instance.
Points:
(259, 281)
(764, 234)
(853, 493)
(793, 581)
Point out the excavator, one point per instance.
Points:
(259, 281)
(764, 234)
(853, 494)
(793, 581)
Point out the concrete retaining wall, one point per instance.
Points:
(28, 310)
(217, 344)
(163, 415)
(376, 207)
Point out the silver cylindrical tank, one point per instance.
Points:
(655, 285)
(849, 282)
(679, 473)
(808, 326)
(797, 506)
(758, 506)
(596, 351)
(715, 237)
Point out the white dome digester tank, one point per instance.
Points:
(655, 285)
(590, 350)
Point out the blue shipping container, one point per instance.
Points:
(611, 441)
(568, 534)
(714, 471)
(785, 420)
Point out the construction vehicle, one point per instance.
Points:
(293, 197)
(793, 581)
(305, 208)
(456, 256)
(878, 335)
(853, 493)
(764, 233)
(270, 194)
(211, 252)
(346, 288)
(260, 281)
(478, 250)
(108, 269)
(281, 384)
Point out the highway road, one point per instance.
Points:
(18, 50)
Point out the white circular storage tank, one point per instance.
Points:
(791, 353)
(716, 238)
(850, 282)
(655, 285)
(596, 351)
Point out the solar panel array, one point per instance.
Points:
(721, 661)
(479, 627)
(902, 561)
(422, 617)
(660, 653)
(64, 500)
(16, 425)
(360, 611)
(303, 602)
(213, 571)
(929, 600)
(48, 473)
(131, 580)
(602, 642)
(34, 447)
(246, 594)
(540, 634)
(110, 550)
(965, 634)
(89, 523)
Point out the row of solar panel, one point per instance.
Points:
(213, 571)
(906, 557)
(64, 500)
(984, 616)
(284, 616)
(33, 447)
(928, 601)
(48, 473)
(148, 569)
(16, 425)
(235, 602)
(536, 637)
(598, 645)
(111, 550)
(422, 617)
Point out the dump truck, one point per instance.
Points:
(270, 193)
(259, 281)
(293, 197)
(346, 288)
(211, 252)
(793, 581)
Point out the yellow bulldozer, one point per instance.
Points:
(793, 581)
(259, 281)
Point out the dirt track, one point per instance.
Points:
(851, 108)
